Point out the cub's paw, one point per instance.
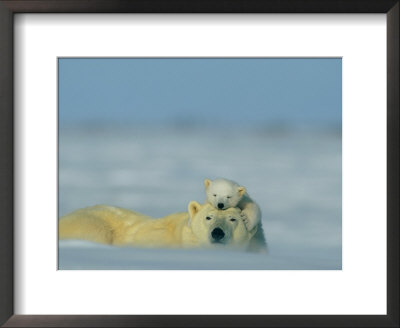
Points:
(245, 218)
(249, 223)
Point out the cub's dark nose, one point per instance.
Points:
(217, 234)
(220, 205)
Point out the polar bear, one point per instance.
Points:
(223, 194)
(201, 226)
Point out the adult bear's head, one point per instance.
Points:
(214, 227)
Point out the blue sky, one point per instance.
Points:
(235, 90)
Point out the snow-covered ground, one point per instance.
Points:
(294, 175)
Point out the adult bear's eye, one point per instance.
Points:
(233, 219)
(215, 195)
(208, 218)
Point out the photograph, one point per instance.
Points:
(187, 163)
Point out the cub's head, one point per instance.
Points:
(223, 194)
(218, 228)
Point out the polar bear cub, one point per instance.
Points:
(223, 194)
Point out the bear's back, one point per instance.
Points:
(100, 223)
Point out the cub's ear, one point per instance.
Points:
(193, 208)
(207, 182)
(242, 191)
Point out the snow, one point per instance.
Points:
(294, 175)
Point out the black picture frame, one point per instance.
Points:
(10, 7)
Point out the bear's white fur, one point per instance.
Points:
(223, 194)
(202, 226)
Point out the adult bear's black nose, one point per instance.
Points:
(217, 234)
(220, 205)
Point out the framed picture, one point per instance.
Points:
(165, 125)
(144, 112)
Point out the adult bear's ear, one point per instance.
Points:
(193, 208)
(242, 191)
(207, 182)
